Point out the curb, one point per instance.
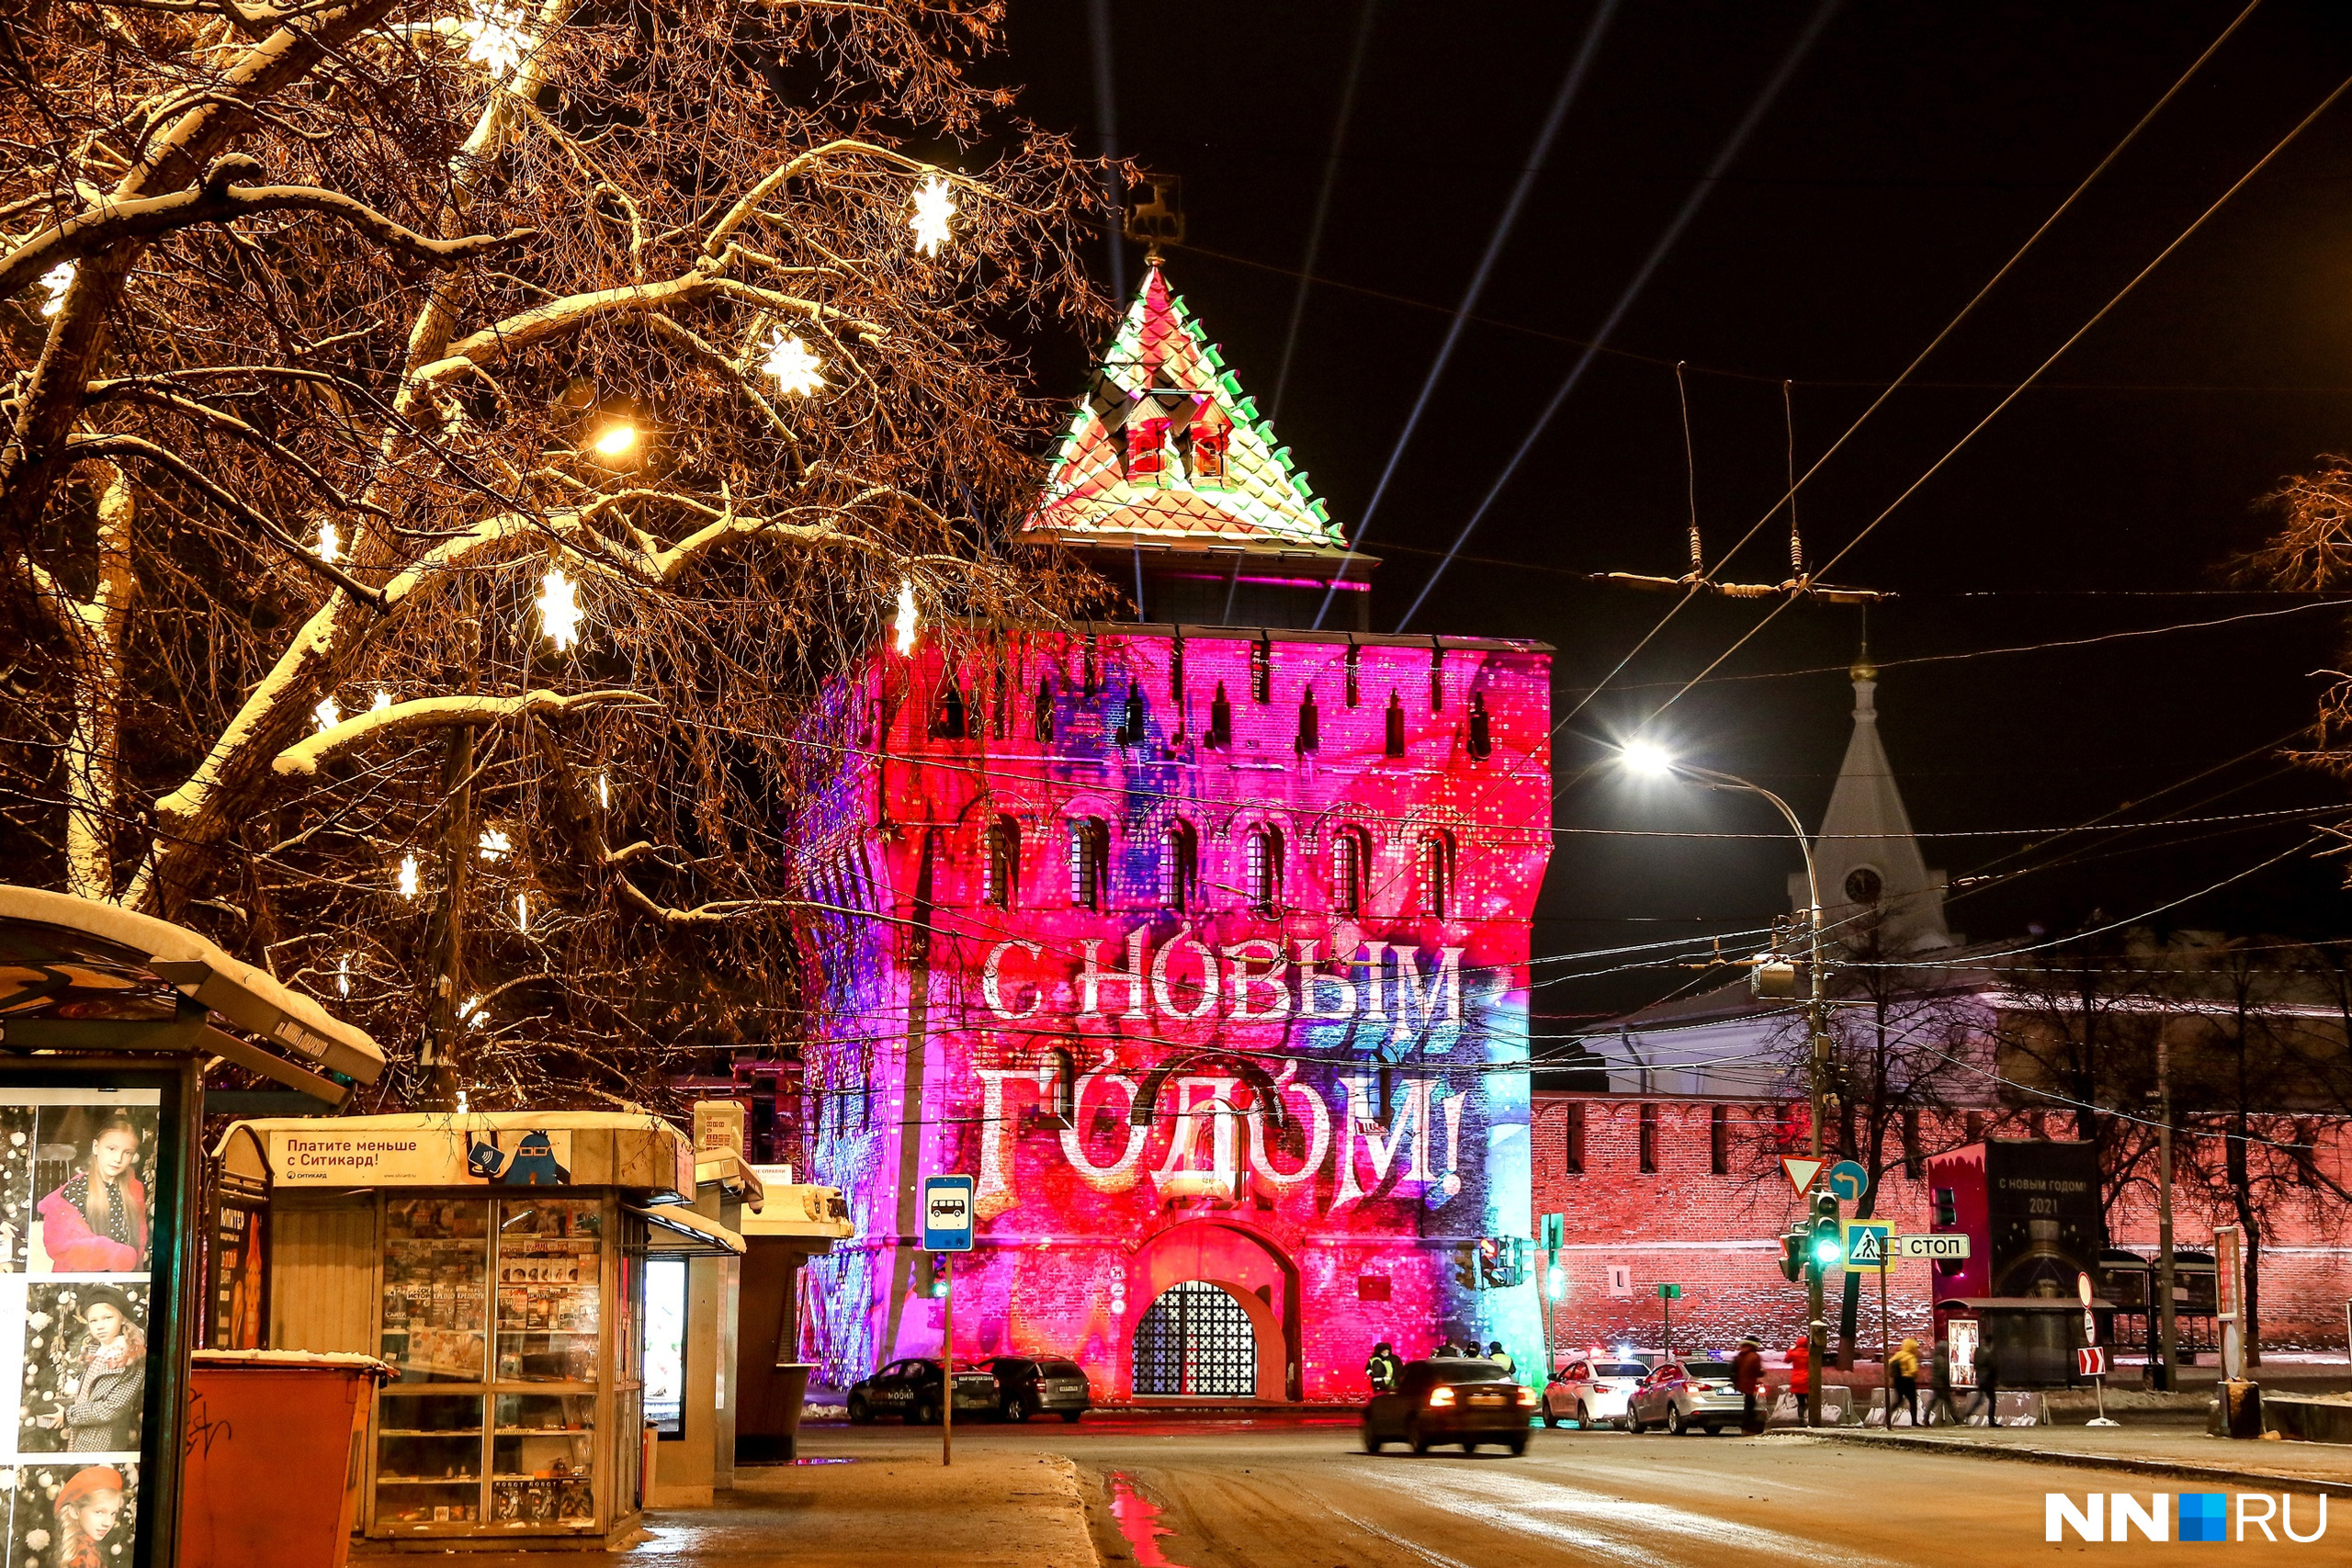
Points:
(2219, 1475)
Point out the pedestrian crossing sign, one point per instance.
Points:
(1870, 1245)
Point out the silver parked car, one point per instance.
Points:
(1680, 1394)
(1590, 1391)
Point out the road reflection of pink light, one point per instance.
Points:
(1138, 1520)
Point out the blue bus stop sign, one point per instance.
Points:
(948, 1213)
(1848, 1180)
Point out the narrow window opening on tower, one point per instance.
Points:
(948, 718)
(1482, 729)
(1349, 855)
(1719, 1141)
(1045, 714)
(1179, 859)
(1395, 724)
(1437, 680)
(1310, 723)
(1131, 724)
(1261, 671)
(1001, 872)
(1356, 668)
(1264, 864)
(1220, 735)
(1089, 860)
(1437, 876)
(1649, 1140)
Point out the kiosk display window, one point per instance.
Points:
(492, 1317)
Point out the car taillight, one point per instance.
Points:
(1702, 1387)
(1441, 1396)
(1526, 1396)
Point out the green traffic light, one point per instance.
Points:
(1826, 1250)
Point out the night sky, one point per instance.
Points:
(1909, 150)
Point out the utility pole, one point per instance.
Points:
(2168, 1378)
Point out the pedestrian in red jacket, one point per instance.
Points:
(1800, 1369)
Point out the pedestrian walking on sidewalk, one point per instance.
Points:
(1939, 1384)
(1497, 1354)
(1904, 1368)
(1988, 1387)
(1748, 1376)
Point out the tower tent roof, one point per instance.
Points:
(1160, 369)
(1869, 856)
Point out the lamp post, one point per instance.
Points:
(1652, 761)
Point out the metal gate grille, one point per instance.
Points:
(1196, 1339)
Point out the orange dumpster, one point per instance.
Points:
(275, 1443)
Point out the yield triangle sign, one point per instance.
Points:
(1800, 1172)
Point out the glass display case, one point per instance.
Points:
(493, 1318)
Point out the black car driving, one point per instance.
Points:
(1027, 1386)
(910, 1388)
(1468, 1402)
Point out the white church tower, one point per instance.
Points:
(1872, 876)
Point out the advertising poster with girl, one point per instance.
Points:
(77, 1242)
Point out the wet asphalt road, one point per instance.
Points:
(1286, 1492)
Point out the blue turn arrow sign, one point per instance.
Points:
(1848, 1180)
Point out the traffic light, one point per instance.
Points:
(1792, 1255)
(1826, 1248)
(1465, 1266)
(931, 1275)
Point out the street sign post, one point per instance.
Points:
(2091, 1363)
(2228, 1278)
(947, 1221)
(1848, 1180)
(1800, 1172)
(1911, 1248)
(1667, 1296)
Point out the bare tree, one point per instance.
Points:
(451, 446)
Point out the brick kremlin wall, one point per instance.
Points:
(1716, 1233)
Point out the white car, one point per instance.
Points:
(1590, 1391)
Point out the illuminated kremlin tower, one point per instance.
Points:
(1199, 942)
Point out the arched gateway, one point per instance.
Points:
(1222, 1321)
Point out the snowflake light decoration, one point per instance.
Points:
(329, 543)
(471, 1010)
(56, 280)
(933, 210)
(408, 876)
(495, 38)
(796, 369)
(560, 611)
(496, 844)
(904, 627)
(329, 713)
(383, 700)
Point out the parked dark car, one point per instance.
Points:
(1465, 1402)
(910, 1388)
(1027, 1386)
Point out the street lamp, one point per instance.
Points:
(1648, 759)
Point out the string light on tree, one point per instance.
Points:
(329, 713)
(468, 1012)
(408, 876)
(495, 38)
(343, 975)
(795, 368)
(496, 844)
(903, 628)
(560, 611)
(603, 793)
(523, 912)
(329, 543)
(933, 210)
(56, 281)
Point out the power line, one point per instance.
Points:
(1569, 85)
(1633, 291)
(1995, 412)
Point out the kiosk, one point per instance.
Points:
(496, 1260)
